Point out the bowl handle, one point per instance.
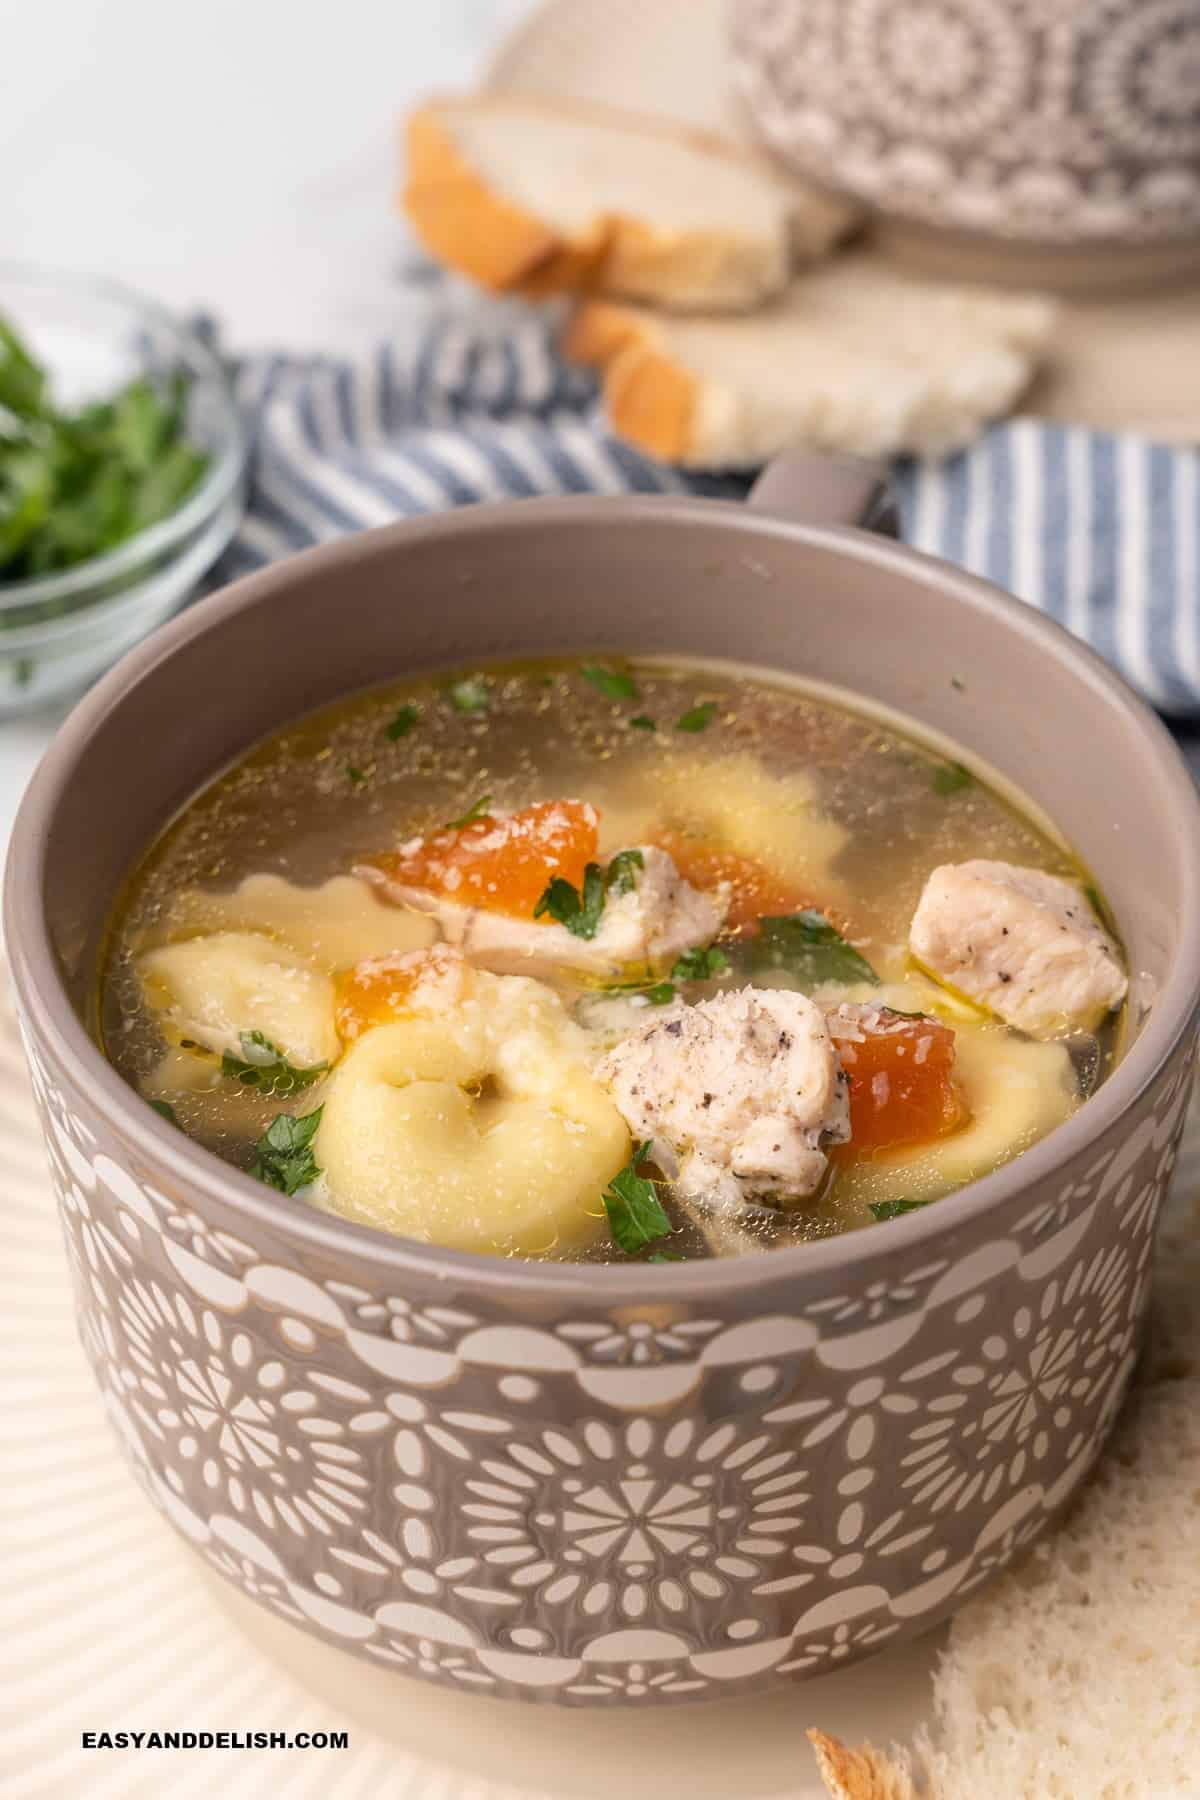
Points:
(827, 490)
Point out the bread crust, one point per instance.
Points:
(475, 230)
(863, 1774)
(650, 398)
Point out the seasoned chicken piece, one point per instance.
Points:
(658, 917)
(1024, 944)
(742, 1091)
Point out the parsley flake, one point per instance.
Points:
(612, 683)
(807, 947)
(949, 778)
(635, 1213)
(166, 1111)
(698, 718)
(403, 722)
(642, 722)
(284, 1157)
(264, 1066)
(581, 911)
(700, 965)
(472, 815)
(355, 776)
(892, 1209)
(471, 695)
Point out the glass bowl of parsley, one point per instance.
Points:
(122, 474)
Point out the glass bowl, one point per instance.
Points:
(57, 632)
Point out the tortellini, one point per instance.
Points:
(339, 923)
(472, 1123)
(209, 990)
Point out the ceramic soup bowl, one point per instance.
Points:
(596, 1484)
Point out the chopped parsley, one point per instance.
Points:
(472, 814)
(471, 695)
(635, 1213)
(643, 722)
(264, 1066)
(355, 776)
(612, 683)
(697, 718)
(665, 1256)
(166, 1111)
(949, 778)
(892, 1209)
(700, 965)
(284, 1157)
(807, 947)
(621, 878)
(581, 910)
(403, 722)
(659, 993)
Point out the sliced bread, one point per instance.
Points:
(539, 196)
(855, 357)
(1078, 1674)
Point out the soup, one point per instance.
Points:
(608, 961)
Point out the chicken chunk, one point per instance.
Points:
(646, 927)
(1023, 944)
(739, 1094)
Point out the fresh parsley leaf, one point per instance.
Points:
(892, 1209)
(659, 993)
(471, 695)
(621, 878)
(612, 683)
(472, 814)
(642, 722)
(581, 912)
(665, 1256)
(806, 946)
(284, 1157)
(698, 718)
(700, 965)
(403, 722)
(166, 1111)
(949, 778)
(264, 1066)
(356, 777)
(635, 1212)
(75, 484)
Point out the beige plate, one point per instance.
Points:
(1119, 361)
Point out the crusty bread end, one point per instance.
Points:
(862, 1774)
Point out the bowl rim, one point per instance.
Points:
(858, 1254)
(220, 481)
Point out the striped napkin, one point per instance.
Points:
(1101, 532)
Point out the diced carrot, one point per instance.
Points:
(380, 990)
(501, 864)
(757, 892)
(902, 1089)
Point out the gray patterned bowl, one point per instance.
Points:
(1045, 140)
(601, 1484)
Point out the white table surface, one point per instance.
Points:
(238, 156)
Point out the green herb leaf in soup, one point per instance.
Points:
(700, 965)
(949, 778)
(356, 777)
(621, 878)
(284, 1152)
(471, 695)
(636, 1216)
(472, 815)
(263, 1065)
(807, 947)
(403, 722)
(581, 912)
(892, 1209)
(697, 718)
(643, 722)
(612, 683)
(166, 1111)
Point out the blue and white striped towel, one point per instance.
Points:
(1101, 532)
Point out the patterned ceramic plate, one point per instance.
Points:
(1118, 359)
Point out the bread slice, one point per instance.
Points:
(1078, 1674)
(539, 196)
(856, 357)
